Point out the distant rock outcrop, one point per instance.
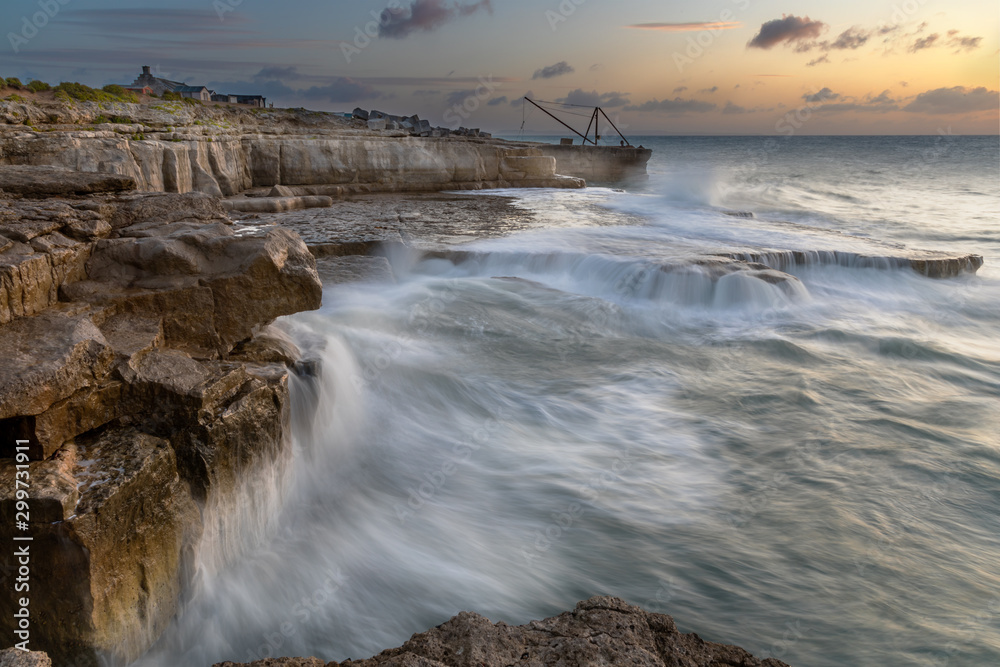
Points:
(179, 148)
(600, 631)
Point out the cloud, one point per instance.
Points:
(819, 61)
(680, 89)
(674, 106)
(731, 108)
(852, 38)
(687, 27)
(924, 42)
(496, 101)
(709, 90)
(341, 89)
(880, 103)
(788, 29)
(459, 96)
(517, 102)
(955, 100)
(594, 99)
(272, 90)
(965, 43)
(177, 22)
(425, 16)
(823, 95)
(553, 71)
(276, 73)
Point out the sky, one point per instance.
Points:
(654, 66)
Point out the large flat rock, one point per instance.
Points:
(48, 181)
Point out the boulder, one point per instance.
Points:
(166, 208)
(211, 288)
(47, 359)
(600, 631)
(281, 191)
(116, 528)
(26, 284)
(13, 657)
(377, 123)
(360, 114)
(275, 276)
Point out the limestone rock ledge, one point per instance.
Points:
(134, 370)
(600, 631)
(165, 147)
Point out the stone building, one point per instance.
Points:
(159, 86)
(156, 84)
(195, 92)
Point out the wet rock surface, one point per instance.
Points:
(416, 219)
(600, 631)
(118, 318)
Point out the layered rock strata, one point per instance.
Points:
(143, 398)
(177, 148)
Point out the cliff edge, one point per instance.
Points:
(169, 146)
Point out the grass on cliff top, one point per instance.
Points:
(67, 91)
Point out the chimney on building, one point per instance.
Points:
(145, 70)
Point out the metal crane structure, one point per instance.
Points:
(594, 123)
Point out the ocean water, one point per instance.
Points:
(808, 468)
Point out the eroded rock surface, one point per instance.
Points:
(15, 658)
(168, 147)
(119, 316)
(600, 631)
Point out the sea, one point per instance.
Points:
(805, 464)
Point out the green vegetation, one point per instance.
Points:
(112, 89)
(192, 101)
(37, 86)
(15, 98)
(82, 93)
(172, 96)
(13, 82)
(138, 137)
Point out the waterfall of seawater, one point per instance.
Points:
(805, 465)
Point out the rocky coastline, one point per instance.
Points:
(144, 393)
